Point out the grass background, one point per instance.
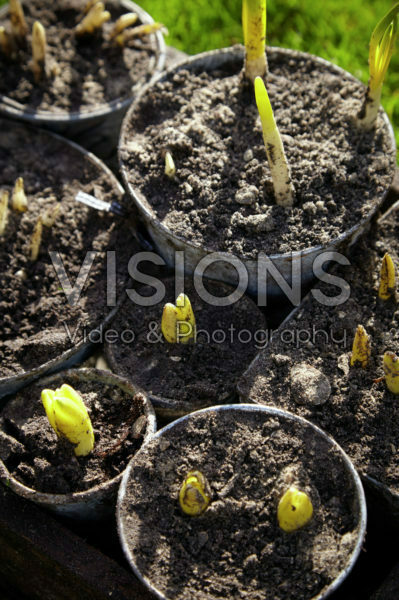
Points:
(338, 30)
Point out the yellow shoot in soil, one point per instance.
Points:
(391, 370)
(178, 321)
(140, 31)
(3, 211)
(382, 45)
(170, 168)
(254, 29)
(19, 27)
(38, 51)
(50, 216)
(5, 42)
(89, 6)
(68, 417)
(387, 278)
(294, 510)
(19, 200)
(93, 20)
(280, 171)
(122, 23)
(194, 495)
(36, 240)
(361, 349)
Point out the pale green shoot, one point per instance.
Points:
(254, 30)
(283, 189)
(382, 44)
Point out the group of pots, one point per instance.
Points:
(205, 215)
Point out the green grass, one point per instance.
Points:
(338, 30)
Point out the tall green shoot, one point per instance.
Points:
(283, 189)
(382, 44)
(254, 29)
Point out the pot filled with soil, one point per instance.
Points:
(58, 472)
(86, 72)
(57, 287)
(335, 363)
(199, 367)
(241, 501)
(193, 161)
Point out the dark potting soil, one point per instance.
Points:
(222, 195)
(201, 373)
(361, 414)
(37, 321)
(90, 72)
(46, 463)
(236, 548)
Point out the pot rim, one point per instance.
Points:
(17, 110)
(82, 347)
(357, 487)
(237, 52)
(84, 374)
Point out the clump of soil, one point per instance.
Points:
(236, 548)
(360, 413)
(222, 196)
(38, 323)
(35, 456)
(201, 373)
(83, 73)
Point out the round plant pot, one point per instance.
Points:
(54, 308)
(110, 391)
(306, 367)
(166, 205)
(183, 377)
(94, 126)
(250, 456)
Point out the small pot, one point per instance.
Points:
(98, 502)
(352, 404)
(230, 60)
(239, 449)
(180, 378)
(97, 129)
(45, 145)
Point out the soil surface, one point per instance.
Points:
(201, 373)
(35, 456)
(360, 413)
(82, 73)
(222, 195)
(38, 323)
(236, 548)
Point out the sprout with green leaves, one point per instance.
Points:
(254, 29)
(382, 45)
(280, 171)
(69, 418)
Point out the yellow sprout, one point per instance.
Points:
(361, 349)
(89, 5)
(19, 27)
(68, 417)
(254, 29)
(18, 199)
(382, 45)
(391, 370)
(5, 42)
(38, 51)
(50, 216)
(194, 495)
(387, 278)
(3, 211)
(170, 168)
(123, 22)
(93, 20)
(280, 171)
(36, 240)
(140, 31)
(178, 322)
(294, 510)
